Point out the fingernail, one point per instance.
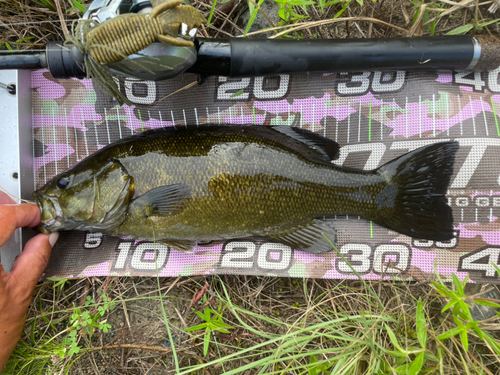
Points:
(53, 238)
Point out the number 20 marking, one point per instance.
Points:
(237, 254)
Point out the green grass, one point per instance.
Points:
(355, 327)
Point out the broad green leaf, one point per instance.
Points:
(448, 305)
(465, 309)
(465, 339)
(458, 284)
(197, 327)
(400, 361)
(282, 14)
(78, 6)
(416, 365)
(398, 354)
(312, 369)
(403, 369)
(483, 24)
(253, 15)
(421, 324)
(482, 302)
(428, 356)
(393, 338)
(339, 13)
(300, 2)
(206, 343)
(222, 324)
(460, 30)
(452, 332)
(222, 330)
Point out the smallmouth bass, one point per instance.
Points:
(177, 186)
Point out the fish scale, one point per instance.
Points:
(221, 182)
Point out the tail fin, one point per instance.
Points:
(419, 180)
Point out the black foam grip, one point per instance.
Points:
(261, 57)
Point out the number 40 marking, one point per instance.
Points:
(481, 261)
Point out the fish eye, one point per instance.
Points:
(63, 182)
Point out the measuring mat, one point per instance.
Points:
(374, 116)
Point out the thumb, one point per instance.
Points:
(34, 259)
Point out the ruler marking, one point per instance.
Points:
(420, 116)
(336, 123)
(434, 115)
(495, 114)
(406, 117)
(313, 118)
(55, 140)
(472, 116)
(476, 211)
(394, 116)
(119, 123)
(484, 116)
(348, 126)
(289, 119)
(33, 145)
(381, 121)
(370, 122)
(107, 124)
(43, 151)
(301, 115)
(359, 122)
(447, 114)
(460, 116)
(97, 137)
(173, 121)
(67, 137)
(76, 138)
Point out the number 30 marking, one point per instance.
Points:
(386, 259)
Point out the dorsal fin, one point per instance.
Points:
(325, 148)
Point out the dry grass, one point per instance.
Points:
(276, 325)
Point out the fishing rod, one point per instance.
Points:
(244, 57)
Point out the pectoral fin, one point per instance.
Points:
(164, 200)
(308, 237)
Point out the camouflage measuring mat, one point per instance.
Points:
(375, 117)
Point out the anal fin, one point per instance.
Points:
(308, 237)
(186, 246)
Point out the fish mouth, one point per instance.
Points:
(50, 213)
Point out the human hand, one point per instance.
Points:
(17, 286)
